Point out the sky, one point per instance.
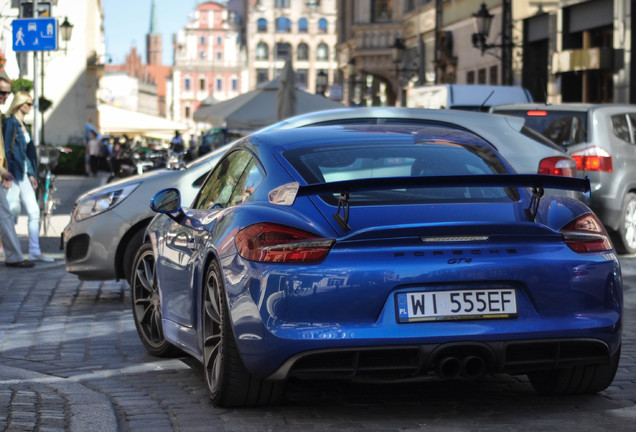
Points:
(126, 23)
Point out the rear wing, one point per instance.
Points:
(536, 182)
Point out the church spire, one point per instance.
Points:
(153, 18)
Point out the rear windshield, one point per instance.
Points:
(565, 128)
(331, 164)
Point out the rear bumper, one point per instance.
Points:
(410, 362)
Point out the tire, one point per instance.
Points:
(576, 379)
(229, 383)
(146, 305)
(625, 236)
(133, 246)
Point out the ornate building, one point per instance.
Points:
(209, 60)
(301, 31)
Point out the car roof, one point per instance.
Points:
(316, 136)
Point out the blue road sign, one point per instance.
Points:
(35, 34)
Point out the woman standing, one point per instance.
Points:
(22, 158)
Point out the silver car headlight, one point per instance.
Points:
(99, 203)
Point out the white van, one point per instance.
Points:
(468, 97)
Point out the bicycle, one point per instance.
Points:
(47, 161)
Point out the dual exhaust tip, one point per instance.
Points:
(470, 366)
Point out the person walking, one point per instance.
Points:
(93, 149)
(22, 158)
(12, 252)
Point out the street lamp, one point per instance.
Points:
(397, 53)
(66, 29)
(482, 20)
(321, 82)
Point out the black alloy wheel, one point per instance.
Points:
(146, 305)
(229, 383)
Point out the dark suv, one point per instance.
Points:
(602, 141)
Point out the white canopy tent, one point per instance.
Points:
(258, 108)
(118, 121)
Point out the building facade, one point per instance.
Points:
(209, 61)
(304, 32)
(561, 50)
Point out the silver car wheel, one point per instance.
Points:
(630, 224)
(212, 331)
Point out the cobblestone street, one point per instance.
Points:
(71, 361)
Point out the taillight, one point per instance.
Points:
(586, 234)
(268, 242)
(593, 159)
(558, 165)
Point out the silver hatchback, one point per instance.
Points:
(602, 141)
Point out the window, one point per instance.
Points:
(281, 4)
(232, 182)
(262, 76)
(322, 52)
(234, 84)
(377, 160)
(302, 25)
(187, 84)
(470, 77)
(303, 52)
(202, 40)
(621, 128)
(494, 75)
(283, 51)
(219, 40)
(283, 25)
(219, 84)
(202, 55)
(481, 76)
(202, 84)
(219, 55)
(322, 25)
(187, 112)
(301, 78)
(261, 25)
(381, 10)
(262, 51)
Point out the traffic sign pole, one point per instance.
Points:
(36, 99)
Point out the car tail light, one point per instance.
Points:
(593, 159)
(537, 113)
(586, 234)
(558, 165)
(268, 242)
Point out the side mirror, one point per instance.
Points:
(168, 202)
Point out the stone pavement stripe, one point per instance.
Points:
(89, 410)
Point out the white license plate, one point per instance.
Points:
(456, 304)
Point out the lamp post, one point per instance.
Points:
(321, 82)
(66, 30)
(482, 20)
(397, 53)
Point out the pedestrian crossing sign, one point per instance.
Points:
(35, 34)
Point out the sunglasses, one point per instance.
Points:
(29, 103)
(5, 93)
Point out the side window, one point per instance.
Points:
(218, 189)
(621, 127)
(247, 184)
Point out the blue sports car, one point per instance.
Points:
(378, 252)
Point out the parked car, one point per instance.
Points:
(470, 97)
(602, 141)
(388, 252)
(107, 223)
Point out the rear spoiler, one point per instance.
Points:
(537, 182)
